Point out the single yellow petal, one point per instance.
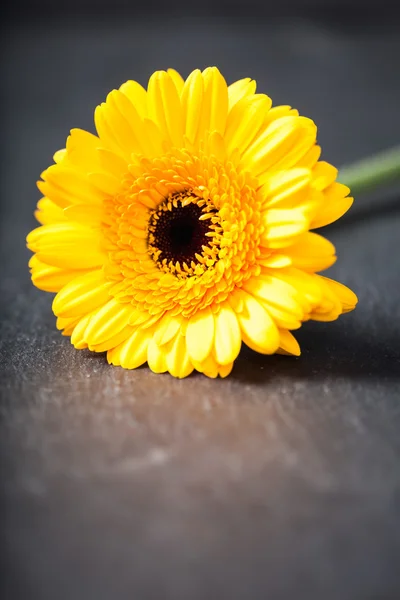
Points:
(177, 79)
(82, 151)
(275, 261)
(156, 357)
(192, 102)
(257, 325)
(60, 245)
(177, 359)
(323, 175)
(48, 212)
(66, 186)
(335, 204)
(227, 336)
(137, 95)
(200, 335)
(214, 110)
(60, 155)
(288, 343)
(282, 225)
(48, 278)
(82, 295)
(225, 370)
(165, 107)
(312, 253)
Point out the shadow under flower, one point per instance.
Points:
(331, 350)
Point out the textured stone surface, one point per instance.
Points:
(280, 482)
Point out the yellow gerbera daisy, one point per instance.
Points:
(182, 229)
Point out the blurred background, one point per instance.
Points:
(282, 482)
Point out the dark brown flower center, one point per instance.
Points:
(177, 234)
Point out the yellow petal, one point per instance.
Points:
(82, 150)
(214, 110)
(282, 225)
(87, 214)
(312, 253)
(167, 329)
(78, 334)
(66, 186)
(137, 95)
(216, 96)
(275, 261)
(177, 79)
(192, 101)
(277, 112)
(281, 145)
(50, 279)
(324, 175)
(241, 89)
(275, 293)
(200, 335)
(119, 125)
(107, 322)
(257, 325)
(288, 343)
(133, 351)
(335, 204)
(227, 336)
(60, 245)
(346, 296)
(48, 212)
(66, 323)
(286, 189)
(177, 359)
(112, 163)
(307, 285)
(208, 367)
(225, 370)
(106, 183)
(329, 307)
(156, 357)
(112, 342)
(82, 295)
(244, 121)
(60, 155)
(165, 107)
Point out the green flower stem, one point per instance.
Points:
(372, 172)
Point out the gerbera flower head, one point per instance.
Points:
(182, 229)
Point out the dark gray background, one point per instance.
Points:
(281, 482)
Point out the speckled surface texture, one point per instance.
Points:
(282, 481)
